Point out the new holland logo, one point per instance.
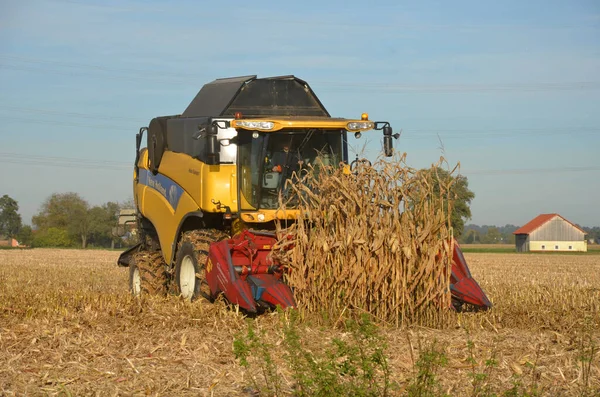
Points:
(173, 198)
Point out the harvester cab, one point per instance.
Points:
(210, 177)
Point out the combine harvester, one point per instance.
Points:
(217, 170)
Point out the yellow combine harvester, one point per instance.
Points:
(210, 178)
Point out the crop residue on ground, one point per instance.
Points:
(68, 325)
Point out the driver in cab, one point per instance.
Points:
(279, 158)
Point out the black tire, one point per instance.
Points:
(190, 265)
(147, 274)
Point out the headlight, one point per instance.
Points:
(254, 125)
(359, 125)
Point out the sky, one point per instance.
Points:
(509, 90)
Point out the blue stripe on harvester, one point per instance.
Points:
(162, 184)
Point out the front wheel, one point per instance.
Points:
(147, 274)
(135, 281)
(186, 269)
(190, 265)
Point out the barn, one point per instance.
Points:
(8, 242)
(550, 232)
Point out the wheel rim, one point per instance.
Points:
(136, 282)
(187, 277)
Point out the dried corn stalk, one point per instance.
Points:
(375, 241)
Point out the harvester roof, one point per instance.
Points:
(254, 97)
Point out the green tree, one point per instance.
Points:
(68, 212)
(593, 233)
(459, 196)
(52, 237)
(80, 224)
(471, 237)
(492, 236)
(10, 220)
(508, 238)
(25, 235)
(102, 221)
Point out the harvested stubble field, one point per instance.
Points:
(69, 327)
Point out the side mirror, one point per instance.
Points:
(388, 145)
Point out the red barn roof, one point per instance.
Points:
(538, 221)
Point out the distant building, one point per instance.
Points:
(8, 242)
(550, 232)
(126, 223)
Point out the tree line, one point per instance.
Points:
(488, 234)
(68, 220)
(64, 220)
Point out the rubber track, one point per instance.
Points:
(201, 239)
(153, 275)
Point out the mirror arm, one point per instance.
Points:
(388, 135)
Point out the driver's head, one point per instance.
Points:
(281, 146)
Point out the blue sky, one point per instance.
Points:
(510, 89)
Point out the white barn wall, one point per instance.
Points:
(565, 246)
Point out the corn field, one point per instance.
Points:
(68, 326)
